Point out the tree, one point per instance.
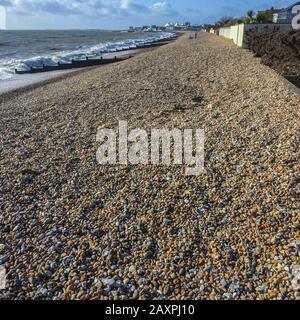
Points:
(250, 15)
(226, 22)
(265, 16)
(262, 17)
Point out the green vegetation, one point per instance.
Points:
(260, 17)
(265, 16)
(250, 16)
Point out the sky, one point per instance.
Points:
(120, 14)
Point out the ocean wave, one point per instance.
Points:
(8, 66)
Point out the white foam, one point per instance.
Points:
(8, 66)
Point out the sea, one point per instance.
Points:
(24, 49)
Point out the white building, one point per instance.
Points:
(169, 26)
(285, 16)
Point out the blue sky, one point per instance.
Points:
(116, 14)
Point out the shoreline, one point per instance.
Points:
(27, 82)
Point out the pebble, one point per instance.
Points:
(166, 290)
(84, 231)
(132, 269)
(3, 259)
(135, 294)
(108, 282)
(2, 248)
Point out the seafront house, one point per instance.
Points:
(285, 16)
(275, 14)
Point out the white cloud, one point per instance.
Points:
(87, 7)
(162, 7)
(159, 5)
(60, 7)
(131, 7)
(124, 5)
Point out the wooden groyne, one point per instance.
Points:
(89, 62)
(74, 64)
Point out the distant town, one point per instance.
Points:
(169, 26)
(282, 16)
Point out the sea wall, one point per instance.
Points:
(235, 33)
(238, 33)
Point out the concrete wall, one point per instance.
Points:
(225, 32)
(237, 33)
(269, 27)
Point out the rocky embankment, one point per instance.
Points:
(72, 229)
(280, 51)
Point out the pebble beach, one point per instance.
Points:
(72, 229)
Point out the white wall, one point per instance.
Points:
(237, 33)
(226, 32)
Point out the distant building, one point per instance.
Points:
(181, 26)
(285, 16)
(169, 26)
(147, 29)
(275, 14)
